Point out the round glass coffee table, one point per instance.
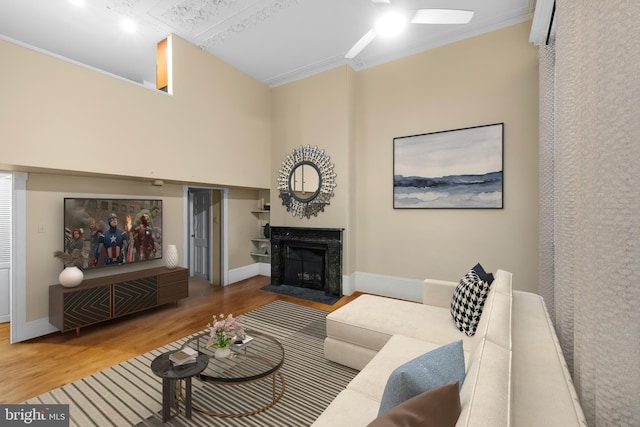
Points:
(259, 359)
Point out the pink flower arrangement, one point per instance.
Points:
(224, 330)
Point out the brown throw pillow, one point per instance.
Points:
(439, 407)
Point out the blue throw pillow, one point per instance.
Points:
(434, 369)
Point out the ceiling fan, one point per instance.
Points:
(394, 21)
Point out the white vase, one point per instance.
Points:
(172, 256)
(71, 276)
(222, 353)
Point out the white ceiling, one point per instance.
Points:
(275, 41)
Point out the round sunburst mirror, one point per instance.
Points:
(306, 181)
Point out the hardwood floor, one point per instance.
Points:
(33, 367)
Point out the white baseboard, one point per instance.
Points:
(389, 286)
(251, 270)
(264, 269)
(33, 329)
(348, 285)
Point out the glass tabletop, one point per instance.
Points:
(261, 356)
(164, 368)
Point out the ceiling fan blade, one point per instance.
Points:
(442, 16)
(361, 44)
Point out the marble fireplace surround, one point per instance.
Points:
(328, 238)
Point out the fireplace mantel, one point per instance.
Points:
(329, 238)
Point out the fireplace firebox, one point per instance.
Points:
(304, 266)
(307, 257)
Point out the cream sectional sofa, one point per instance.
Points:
(515, 371)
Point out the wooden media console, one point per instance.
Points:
(104, 298)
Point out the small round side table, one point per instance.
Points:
(171, 389)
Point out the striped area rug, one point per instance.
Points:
(129, 394)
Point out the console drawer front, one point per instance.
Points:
(173, 286)
(134, 295)
(86, 307)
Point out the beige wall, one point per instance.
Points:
(45, 194)
(488, 79)
(88, 127)
(355, 116)
(243, 226)
(223, 128)
(316, 111)
(56, 115)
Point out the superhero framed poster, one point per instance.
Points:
(112, 231)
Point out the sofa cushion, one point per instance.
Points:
(468, 301)
(495, 323)
(431, 370)
(486, 393)
(350, 408)
(543, 392)
(400, 349)
(503, 282)
(370, 320)
(439, 407)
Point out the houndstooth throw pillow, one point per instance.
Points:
(468, 301)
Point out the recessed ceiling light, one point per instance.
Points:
(128, 25)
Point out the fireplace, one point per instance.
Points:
(304, 266)
(307, 257)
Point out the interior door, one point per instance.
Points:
(200, 234)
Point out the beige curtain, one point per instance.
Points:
(590, 201)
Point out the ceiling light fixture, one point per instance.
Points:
(388, 25)
(391, 24)
(394, 22)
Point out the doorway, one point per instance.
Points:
(206, 256)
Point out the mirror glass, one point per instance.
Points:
(305, 181)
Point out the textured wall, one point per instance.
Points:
(546, 176)
(590, 146)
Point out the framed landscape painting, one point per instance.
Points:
(454, 169)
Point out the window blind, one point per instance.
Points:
(5, 219)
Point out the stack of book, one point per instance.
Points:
(184, 356)
(243, 343)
